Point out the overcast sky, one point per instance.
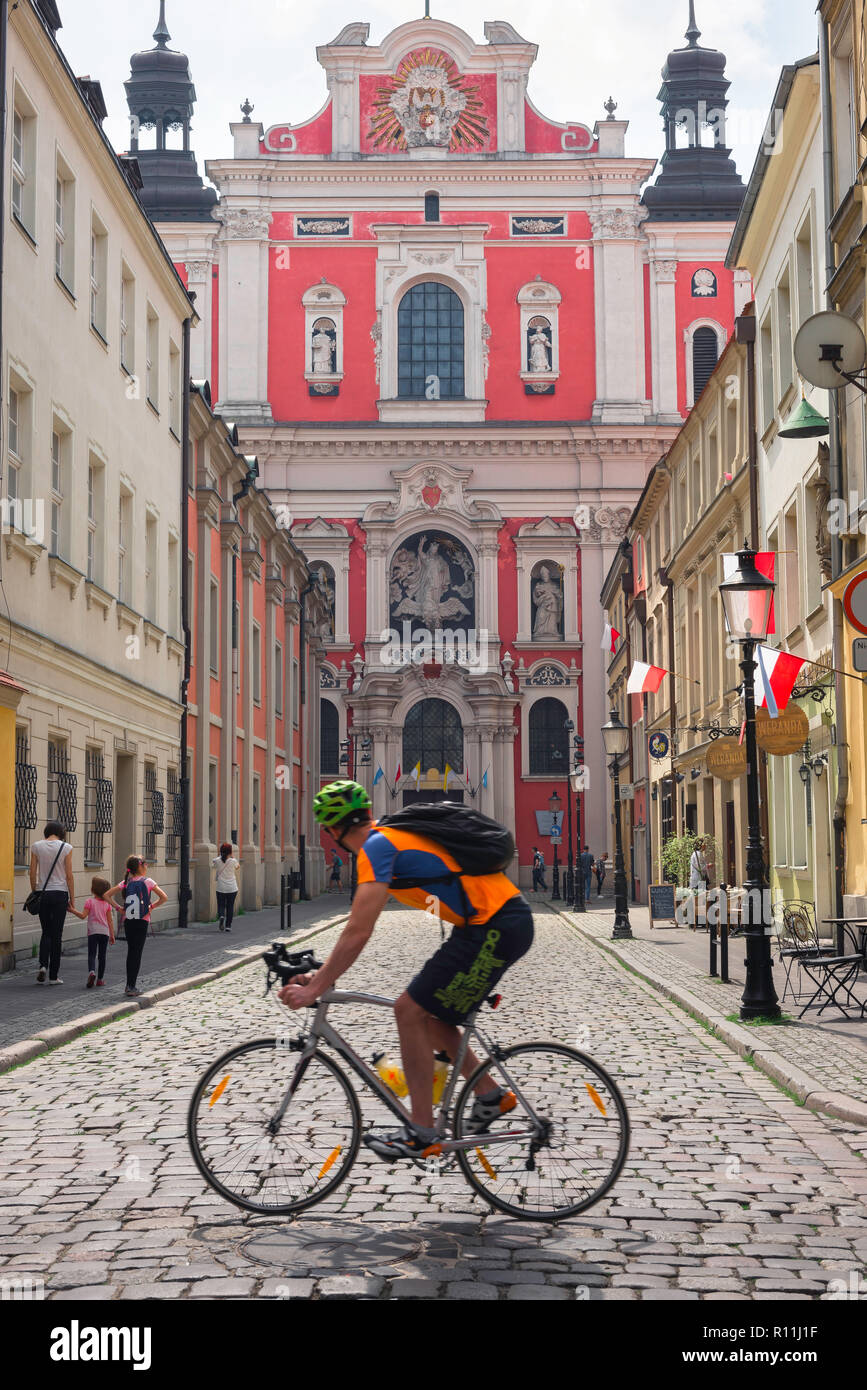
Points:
(265, 50)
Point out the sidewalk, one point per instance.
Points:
(823, 1063)
(28, 1009)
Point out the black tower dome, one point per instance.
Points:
(696, 183)
(160, 95)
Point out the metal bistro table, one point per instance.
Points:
(858, 924)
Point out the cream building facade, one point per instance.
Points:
(93, 314)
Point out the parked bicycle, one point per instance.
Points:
(275, 1134)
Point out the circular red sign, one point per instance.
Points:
(855, 602)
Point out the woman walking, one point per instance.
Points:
(51, 864)
(100, 929)
(136, 906)
(227, 885)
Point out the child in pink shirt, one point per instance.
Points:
(100, 929)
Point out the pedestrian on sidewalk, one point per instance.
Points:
(336, 866)
(587, 862)
(599, 870)
(227, 885)
(538, 870)
(100, 929)
(137, 893)
(51, 864)
(699, 876)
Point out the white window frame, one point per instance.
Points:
(64, 223)
(152, 358)
(256, 662)
(688, 336)
(174, 389)
(127, 319)
(323, 301)
(58, 476)
(124, 545)
(98, 276)
(23, 160)
(785, 359)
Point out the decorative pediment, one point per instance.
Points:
(432, 489)
(319, 529)
(546, 528)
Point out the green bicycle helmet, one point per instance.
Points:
(341, 801)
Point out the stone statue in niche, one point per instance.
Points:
(425, 583)
(548, 604)
(323, 623)
(540, 346)
(323, 342)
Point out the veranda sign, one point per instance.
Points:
(726, 758)
(786, 734)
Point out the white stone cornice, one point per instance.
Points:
(245, 224)
(617, 224)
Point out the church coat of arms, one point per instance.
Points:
(428, 102)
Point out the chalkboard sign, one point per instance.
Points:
(662, 902)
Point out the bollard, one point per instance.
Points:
(724, 949)
(712, 929)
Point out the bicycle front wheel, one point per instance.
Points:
(580, 1133)
(262, 1163)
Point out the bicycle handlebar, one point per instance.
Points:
(283, 965)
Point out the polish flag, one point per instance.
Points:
(778, 672)
(610, 638)
(397, 775)
(644, 679)
(765, 560)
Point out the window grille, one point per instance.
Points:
(62, 788)
(154, 812)
(433, 734)
(430, 343)
(176, 816)
(98, 806)
(329, 739)
(549, 739)
(25, 799)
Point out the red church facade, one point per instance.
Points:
(457, 336)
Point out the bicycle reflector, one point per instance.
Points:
(494, 999)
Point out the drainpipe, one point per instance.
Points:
(303, 894)
(184, 890)
(672, 712)
(835, 479)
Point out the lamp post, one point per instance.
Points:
(349, 756)
(746, 598)
(570, 863)
(576, 781)
(615, 737)
(554, 805)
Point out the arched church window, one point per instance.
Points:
(434, 736)
(430, 343)
(539, 303)
(329, 739)
(549, 739)
(705, 351)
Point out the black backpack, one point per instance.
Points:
(137, 900)
(480, 845)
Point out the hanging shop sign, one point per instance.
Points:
(786, 734)
(726, 758)
(658, 746)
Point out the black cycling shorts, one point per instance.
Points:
(467, 966)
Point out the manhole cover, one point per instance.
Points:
(342, 1245)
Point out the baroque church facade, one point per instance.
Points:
(457, 335)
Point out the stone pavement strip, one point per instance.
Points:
(826, 1071)
(731, 1188)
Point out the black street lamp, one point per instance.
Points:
(570, 863)
(615, 737)
(349, 756)
(746, 598)
(576, 781)
(554, 805)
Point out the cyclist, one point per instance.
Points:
(492, 928)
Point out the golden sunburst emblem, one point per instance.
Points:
(428, 102)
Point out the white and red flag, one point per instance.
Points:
(778, 672)
(765, 560)
(644, 679)
(610, 638)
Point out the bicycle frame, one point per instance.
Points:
(321, 1031)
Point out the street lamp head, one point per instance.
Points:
(554, 802)
(804, 773)
(615, 736)
(569, 726)
(746, 598)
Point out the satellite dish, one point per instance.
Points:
(829, 346)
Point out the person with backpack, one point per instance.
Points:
(51, 862)
(599, 870)
(538, 870)
(227, 885)
(457, 856)
(336, 866)
(137, 891)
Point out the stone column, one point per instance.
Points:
(485, 800)
(244, 315)
(618, 283)
(664, 344)
(200, 280)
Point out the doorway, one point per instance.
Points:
(124, 841)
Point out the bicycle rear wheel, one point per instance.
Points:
(253, 1160)
(581, 1133)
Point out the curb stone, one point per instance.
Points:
(28, 1048)
(813, 1095)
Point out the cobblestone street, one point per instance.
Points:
(731, 1189)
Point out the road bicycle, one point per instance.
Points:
(275, 1135)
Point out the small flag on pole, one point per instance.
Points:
(778, 672)
(379, 776)
(446, 778)
(644, 679)
(610, 638)
(416, 772)
(397, 774)
(485, 778)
